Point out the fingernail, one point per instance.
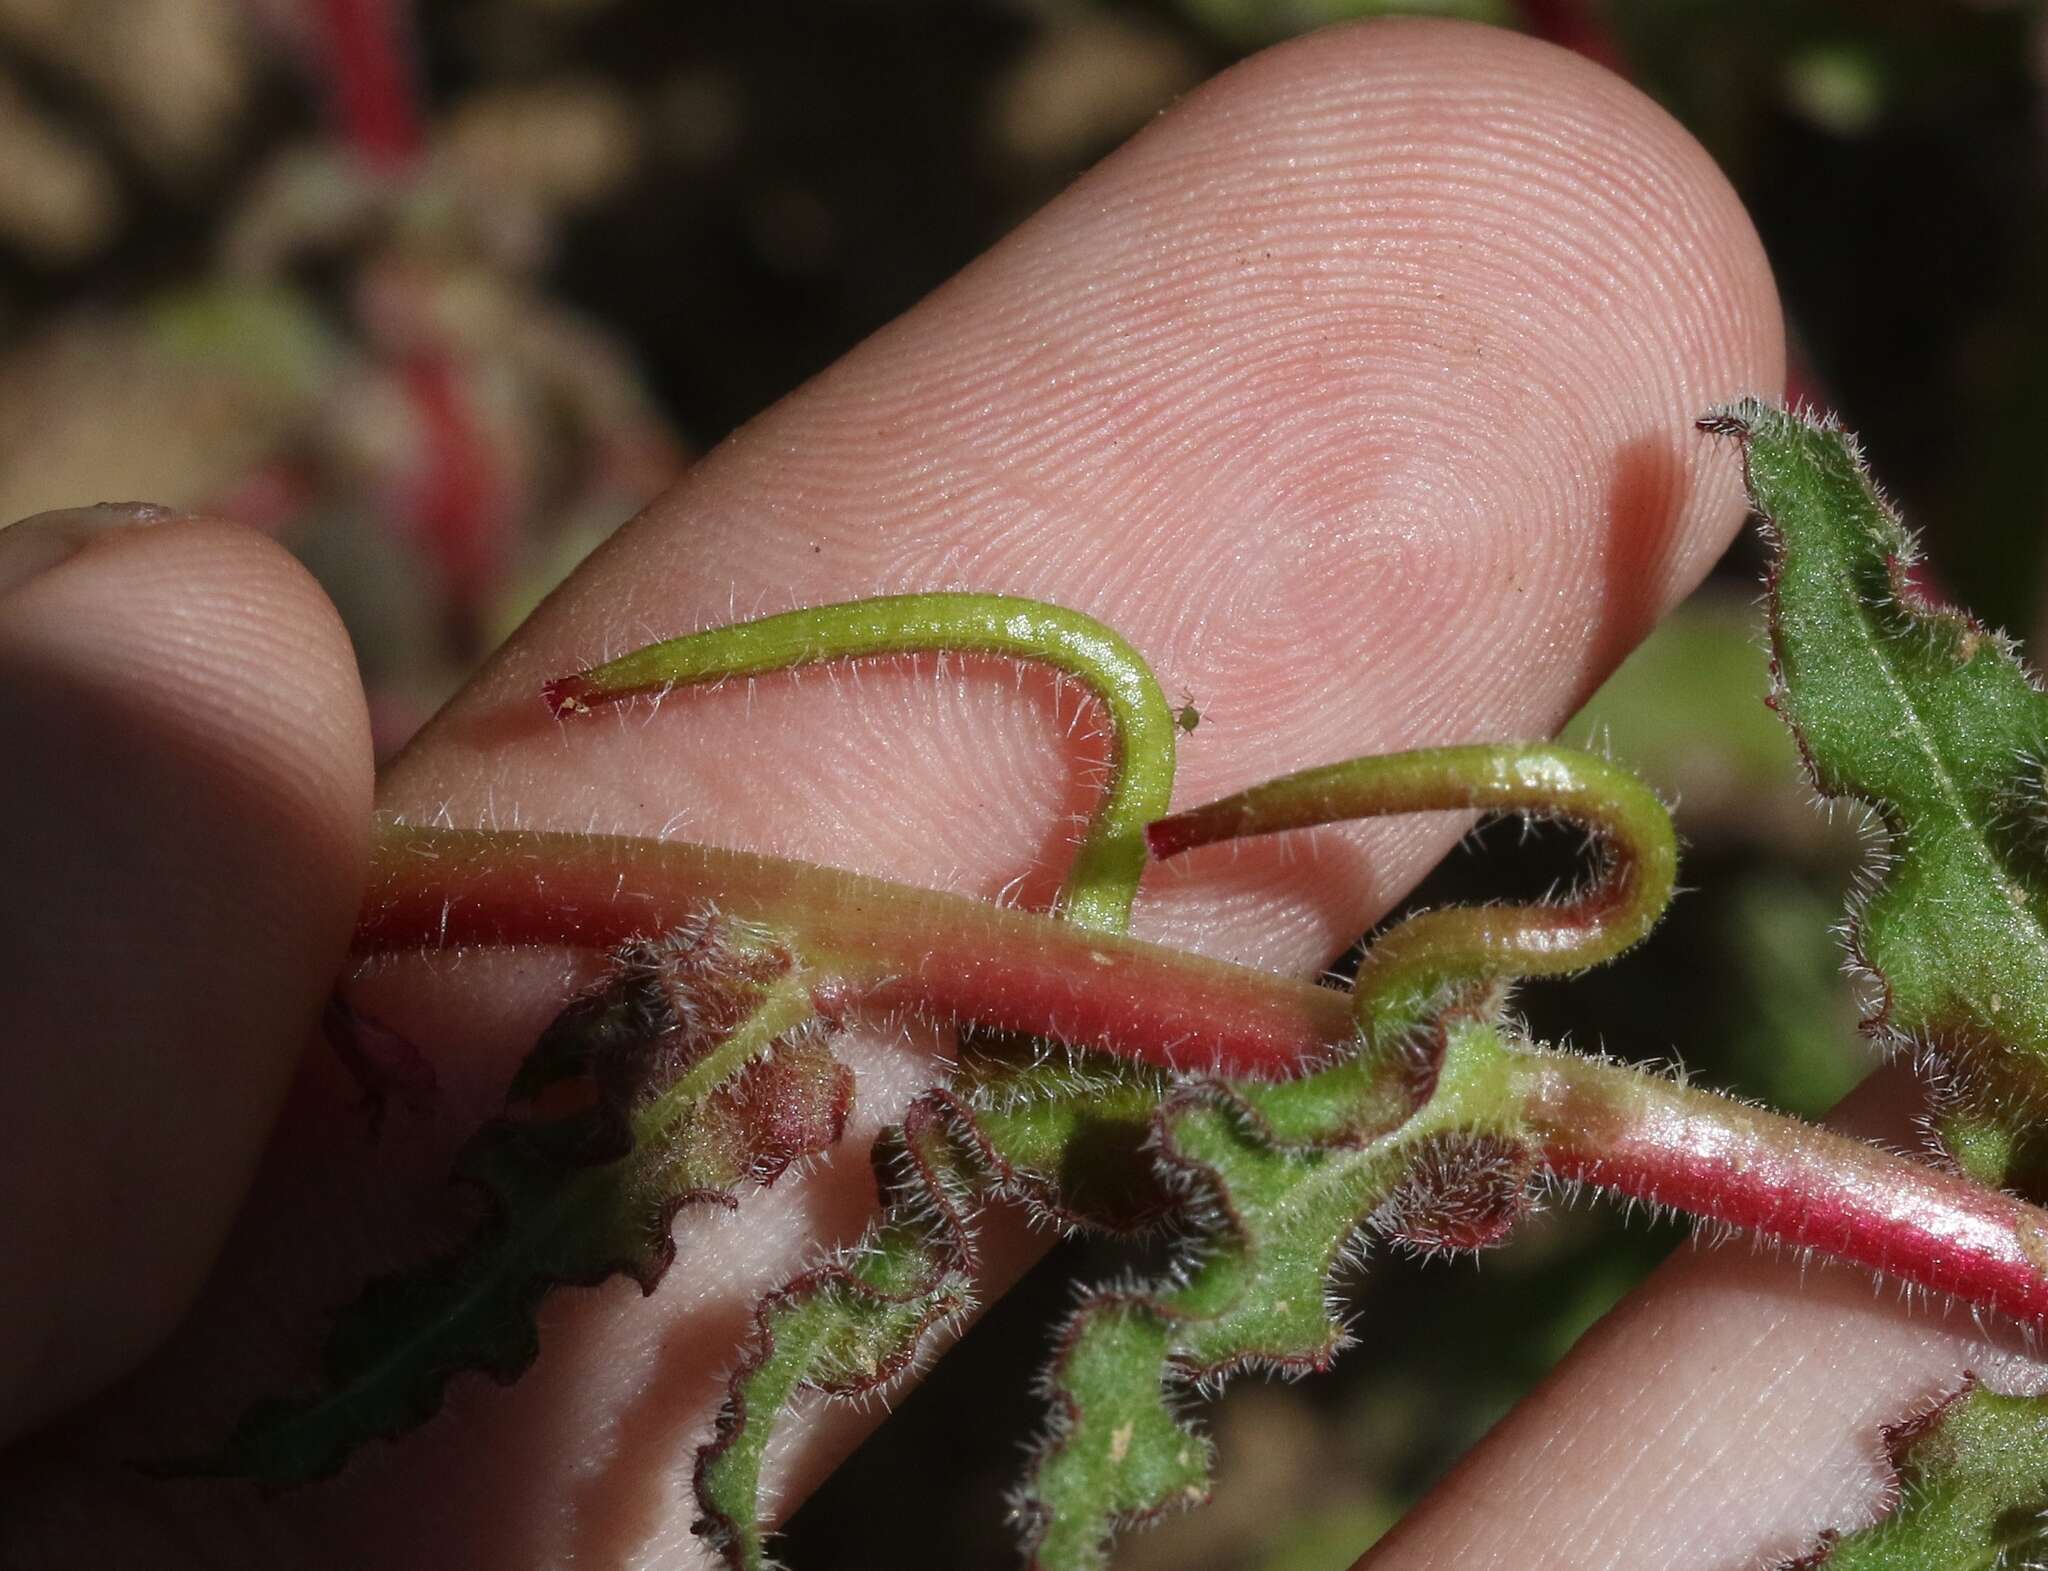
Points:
(36, 544)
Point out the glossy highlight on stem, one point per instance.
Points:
(1649, 1139)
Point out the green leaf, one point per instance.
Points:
(848, 1326)
(1117, 1454)
(1068, 1137)
(1971, 1492)
(1277, 1227)
(1916, 710)
(1027, 1120)
(1251, 23)
(699, 1068)
(1261, 1291)
(1274, 1224)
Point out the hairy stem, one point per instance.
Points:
(869, 943)
(1650, 1139)
(866, 942)
(1407, 972)
(1111, 856)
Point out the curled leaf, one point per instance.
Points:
(694, 1068)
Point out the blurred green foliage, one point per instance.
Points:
(1895, 157)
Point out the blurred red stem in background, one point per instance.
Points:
(370, 77)
(1576, 25)
(456, 498)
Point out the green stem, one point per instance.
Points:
(1110, 859)
(1408, 972)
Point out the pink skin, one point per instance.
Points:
(186, 768)
(1358, 393)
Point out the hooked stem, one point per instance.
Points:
(1110, 859)
(1406, 975)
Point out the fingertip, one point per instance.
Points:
(185, 832)
(1358, 393)
(1493, 286)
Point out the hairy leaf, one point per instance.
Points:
(1068, 1137)
(1023, 1124)
(1275, 1223)
(1026, 1121)
(1414, 1129)
(694, 1068)
(1258, 1285)
(848, 1326)
(1970, 1492)
(1117, 1454)
(1916, 710)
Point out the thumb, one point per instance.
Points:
(183, 825)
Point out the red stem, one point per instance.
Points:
(1788, 1181)
(874, 944)
(369, 78)
(1578, 26)
(457, 500)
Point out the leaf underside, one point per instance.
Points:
(1274, 1228)
(1269, 1227)
(1969, 1492)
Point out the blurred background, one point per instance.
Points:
(441, 295)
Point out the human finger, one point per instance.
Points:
(1357, 392)
(182, 821)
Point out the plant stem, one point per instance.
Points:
(1110, 858)
(1650, 1139)
(369, 77)
(1405, 974)
(868, 943)
(872, 944)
